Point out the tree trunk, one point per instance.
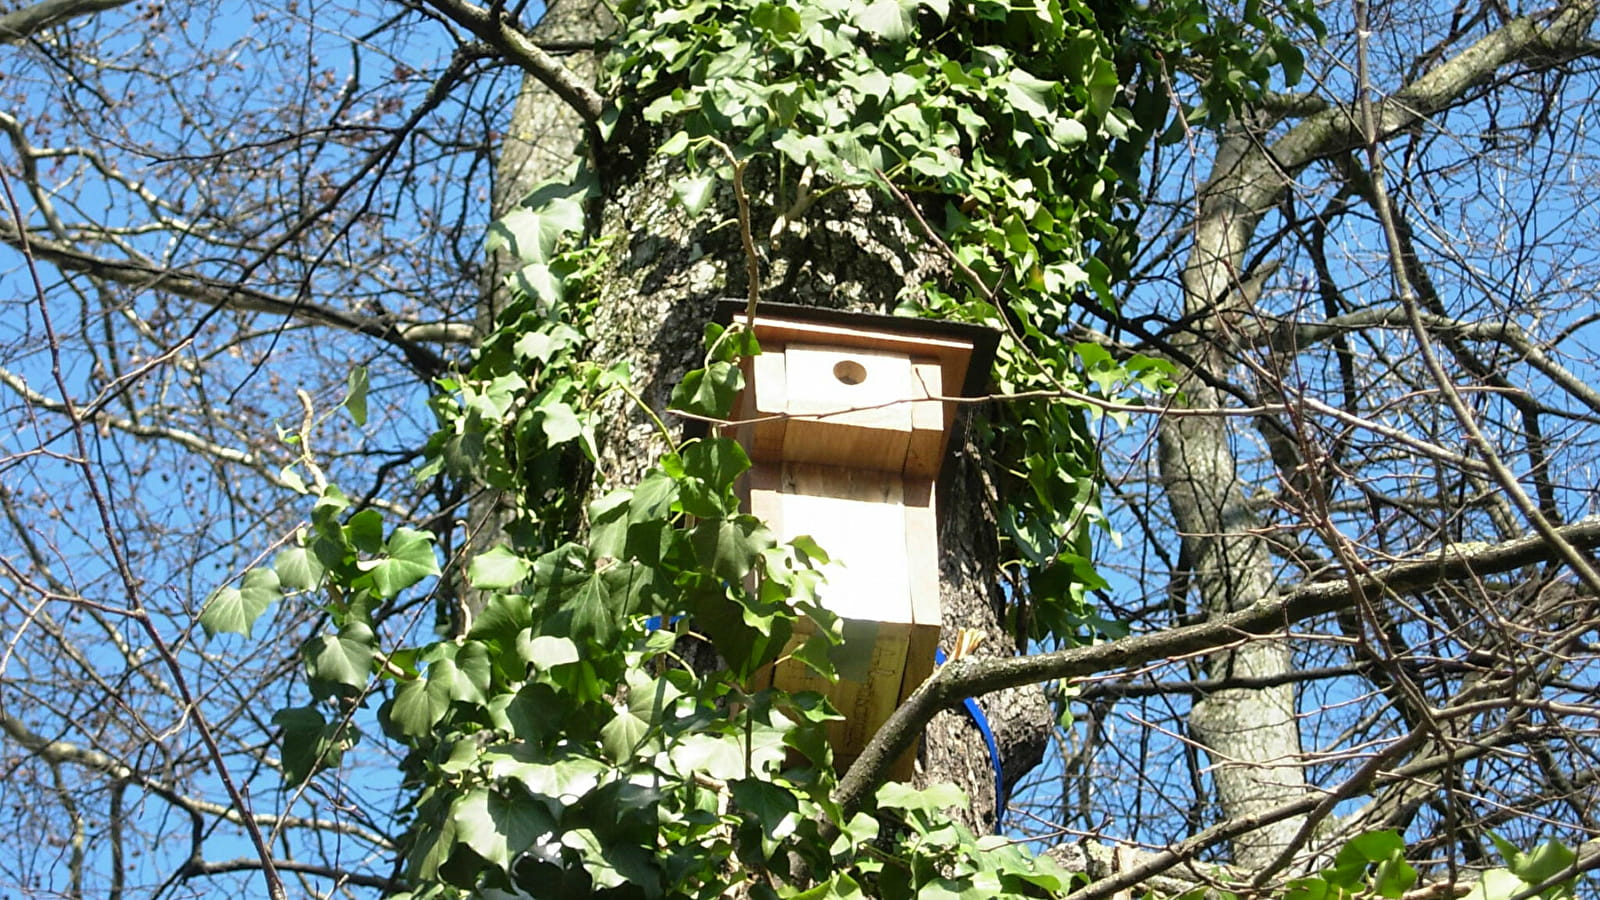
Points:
(1250, 734)
(853, 251)
(543, 138)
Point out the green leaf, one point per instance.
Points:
(719, 756)
(1545, 861)
(729, 547)
(778, 21)
(559, 423)
(364, 531)
(889, 20)
(540, 282)
(355, 397)
(1030, 93)
(497, 569)
(542, 346)
(340, 664)
(468, 669)
(675, 145)
(613, 864)
(499, 828)
(708, 392)
(932, 799)
(1497, 884)
(235, 610)
(418, 706)
(408, 559)
(532, 235)
(548, 651)
(695, 192)
(717, 461)
(502, 620)
(309, 744)
(774, 809)
(298, 569)
(432, 850)
(622, 735)
(592, 615)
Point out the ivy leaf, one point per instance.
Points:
(695, 192)
(720, 756)
(888, 20)
(548, 651)
(1029, 93)
(559, 423)
(501, 624)
(613, 864)
(423, 863)
(497, 569)
(1543, 862)
(355, 397)
(592, 616)
(408, 559)
(932, 799)
(708, 392)
(536, 280)
(532, 235)
(773, 808)
(622, 735)
(340, 664)
(498, 828)
(418, 706)
(729, 547)
(468, 670)
(542, 346)
(364, 531)
(310, 744)
(235, 610)
(298, 569)
(778, 21)
(718, 462)
(526, 715)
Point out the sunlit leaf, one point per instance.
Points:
(235, 610)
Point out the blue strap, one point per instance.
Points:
(1002, 793)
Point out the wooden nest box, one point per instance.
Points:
(842, 420)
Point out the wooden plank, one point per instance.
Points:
(931, 421)
(952, 353)
(858, 517)
(849, 406)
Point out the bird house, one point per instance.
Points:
(846, 423)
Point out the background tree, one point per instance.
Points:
(1373, 291)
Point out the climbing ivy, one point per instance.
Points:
(559, 741)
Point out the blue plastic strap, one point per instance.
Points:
(1002, 793)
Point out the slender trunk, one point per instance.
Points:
(1251, 735)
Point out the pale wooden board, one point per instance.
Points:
(859, 519)
(931, 421)
(951, 356)
(862, 425)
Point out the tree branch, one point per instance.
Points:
(58, 752)
(972, 676)
(19, 25)
(221, 294)
(499, 32)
